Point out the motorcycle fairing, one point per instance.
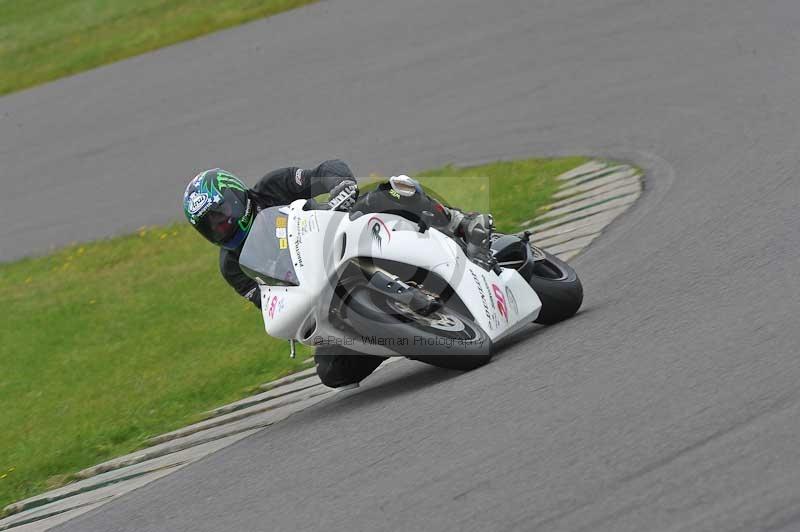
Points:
(322, 243)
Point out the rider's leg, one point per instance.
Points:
(472, 228)
(382, 200)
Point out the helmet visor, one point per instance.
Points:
(220, 223)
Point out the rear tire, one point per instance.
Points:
(558, 287)
(453, 340)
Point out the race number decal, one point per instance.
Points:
(501, 301)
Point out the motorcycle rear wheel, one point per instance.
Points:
(558, 287)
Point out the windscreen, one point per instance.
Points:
(265, 256)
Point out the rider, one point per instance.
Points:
(222, 208)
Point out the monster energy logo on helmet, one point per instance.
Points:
(226, 180)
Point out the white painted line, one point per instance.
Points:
(631, 184)
(236, 415)
(587, 168)
(599, 220)
(602, 181)
(580, 205)
(84, 501)
(274, 393)
(585, 230)
(61, 505)
(172, 461)
(310, 372)
(40, 525)
(257, 421)
(569, 208)
(613, 204)
(573, 245)
(595, 175)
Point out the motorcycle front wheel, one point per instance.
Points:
(444, 338)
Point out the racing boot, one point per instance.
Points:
(475, 231)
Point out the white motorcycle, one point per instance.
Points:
(382, 284)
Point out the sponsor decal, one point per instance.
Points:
(512, 301)
(484, 299)
(501, 301)
(298, 177)
(394, 194)
(495, 319)
(298, 241)
(303, 225)
(376, 228)
(247, 220)
(308, 225)
(197, 201)
(226, 180)
(280, 231)
(276, 305)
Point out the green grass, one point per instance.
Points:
(108, 343)
(511, 190)
(42, 40)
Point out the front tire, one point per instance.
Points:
(558, 287)
(445, 338)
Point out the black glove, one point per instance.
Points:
(344, 195)
(254, 296)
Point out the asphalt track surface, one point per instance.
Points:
(670, 402)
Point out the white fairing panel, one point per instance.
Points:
(322, 243)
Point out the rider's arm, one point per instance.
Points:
(233, 274)
(285, 185)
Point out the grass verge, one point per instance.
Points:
(42, 40)
(108, 343)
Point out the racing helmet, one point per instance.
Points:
(216, 203)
